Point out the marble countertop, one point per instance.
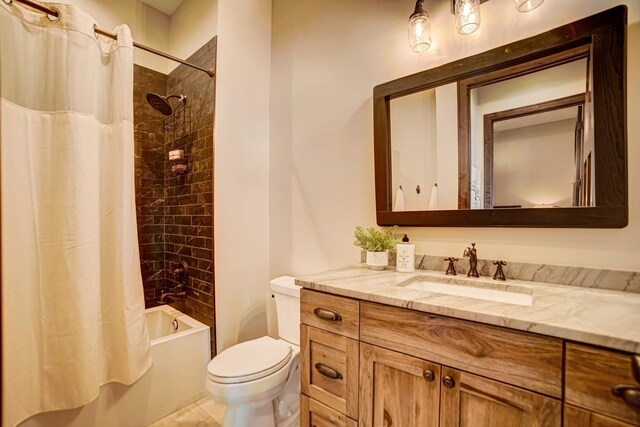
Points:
(594, 316)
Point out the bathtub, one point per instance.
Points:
(176, 379)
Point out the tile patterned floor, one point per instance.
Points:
(204, 413)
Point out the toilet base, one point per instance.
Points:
(252, 414)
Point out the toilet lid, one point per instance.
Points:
(249, 360)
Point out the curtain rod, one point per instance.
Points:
(54, 12)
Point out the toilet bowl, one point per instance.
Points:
(259, 380)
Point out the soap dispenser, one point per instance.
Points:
(405, 254)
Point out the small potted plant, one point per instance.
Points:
(378, 244)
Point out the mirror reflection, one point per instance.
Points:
(529, 143)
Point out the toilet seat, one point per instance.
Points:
(249, 361)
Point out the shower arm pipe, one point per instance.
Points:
(54, 12)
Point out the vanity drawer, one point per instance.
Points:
(329, 369)
(530, 361)
(330, 312)
(577, 417)
(590, 375)
(313, 413)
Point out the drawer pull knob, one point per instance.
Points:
(429, 375)
(326, 314)
(449, 382)
(631, 394)
(328, 371)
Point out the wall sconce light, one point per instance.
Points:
(467, 16)
(526, 5)
(419, 29)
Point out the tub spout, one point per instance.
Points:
(176, 296)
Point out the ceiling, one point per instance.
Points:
(537, 119)
(165, 6)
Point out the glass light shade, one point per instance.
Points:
(467, 16)
(419, 32)
(526, 5)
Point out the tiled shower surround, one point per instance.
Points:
(175, 219)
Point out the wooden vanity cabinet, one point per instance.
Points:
(401, 367)
(329, 359)
(397, 389)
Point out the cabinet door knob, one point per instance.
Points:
(327, 314)
(448, 382)
(328, 371)
(630, 393)
(429, 375)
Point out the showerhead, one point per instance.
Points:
(161, 103)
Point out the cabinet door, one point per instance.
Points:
(315, 414)
(397, 390)
(576, 417)
(472, 401)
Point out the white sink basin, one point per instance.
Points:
(489, 292)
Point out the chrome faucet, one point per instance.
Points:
(473, 260)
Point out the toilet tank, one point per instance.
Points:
(287, 296)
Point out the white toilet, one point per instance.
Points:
(259, 380)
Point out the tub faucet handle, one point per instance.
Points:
(181, 273)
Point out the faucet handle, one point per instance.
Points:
(499, 273)
(451, 268)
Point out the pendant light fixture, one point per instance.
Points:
(419, 29)
(467, 16)
(526, 5)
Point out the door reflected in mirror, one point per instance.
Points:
(533, 160)
(528, 140)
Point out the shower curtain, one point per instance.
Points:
(72, 302)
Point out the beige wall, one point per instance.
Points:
(148, 25)
(241, 170)
(326, 61)
(413, 148)
(193, 23)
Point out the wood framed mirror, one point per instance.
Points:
(432, 132)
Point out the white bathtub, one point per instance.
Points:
(176, 379)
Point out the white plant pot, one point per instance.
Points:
(377, 260)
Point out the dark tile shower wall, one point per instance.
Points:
(188, 198)
(150, 173)
(175, 220)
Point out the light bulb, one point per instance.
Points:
(526, 5)
(467, 16)
(419, 29)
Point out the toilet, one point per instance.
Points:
(259, 380)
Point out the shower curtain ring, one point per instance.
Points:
(53, 18)
(8, 2)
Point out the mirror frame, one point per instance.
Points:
(605, 35)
